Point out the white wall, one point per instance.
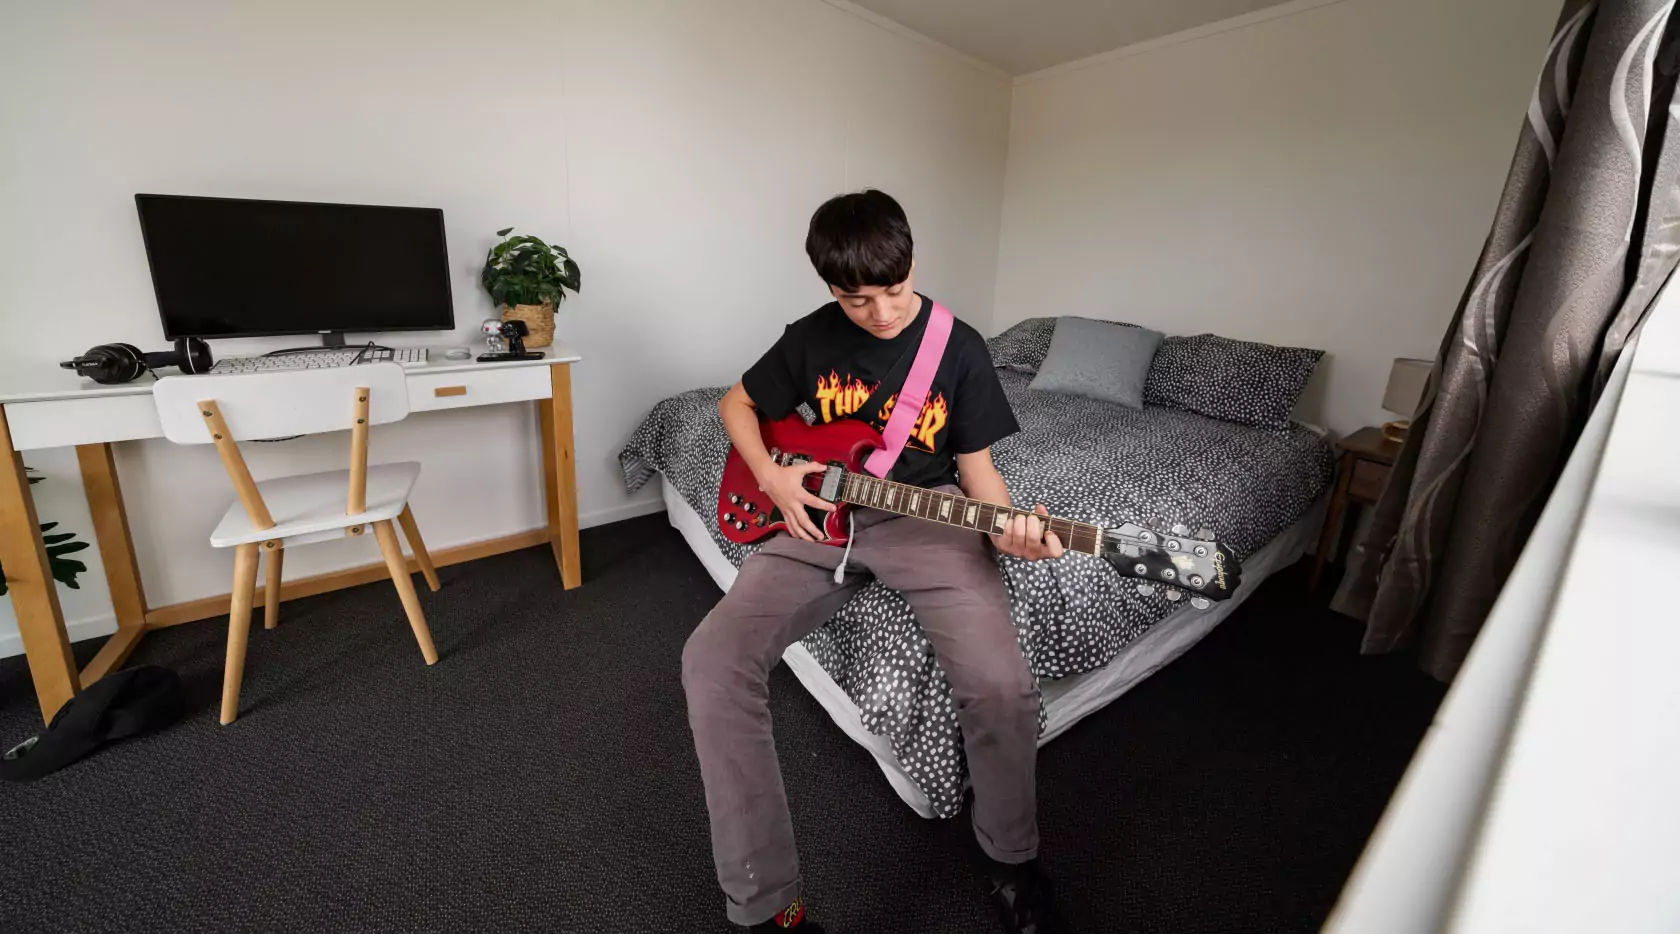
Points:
(676, 148)
(1323, 179)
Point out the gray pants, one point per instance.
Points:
(786, 590)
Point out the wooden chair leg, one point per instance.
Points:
(239, 628)
(422, 557)
(274, 555)
(398, 565)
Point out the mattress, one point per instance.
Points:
(1083, 459)
(1066, 700)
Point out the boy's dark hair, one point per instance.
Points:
(859, 239)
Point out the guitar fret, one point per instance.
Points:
(988, 518)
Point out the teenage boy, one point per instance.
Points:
(834, 360)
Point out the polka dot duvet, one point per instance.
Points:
(1083, 459)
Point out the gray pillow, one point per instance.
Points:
(1099, 359)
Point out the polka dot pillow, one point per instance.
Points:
(1236, 381)
(1023, 345)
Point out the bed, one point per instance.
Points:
(1088, 634)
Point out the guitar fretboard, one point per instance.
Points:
(960, 511)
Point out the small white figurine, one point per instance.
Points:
(492, 328)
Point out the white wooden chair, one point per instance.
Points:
(283, 513)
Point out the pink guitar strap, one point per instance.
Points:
(915, 392)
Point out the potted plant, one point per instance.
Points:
(64, 570)
(527, 278)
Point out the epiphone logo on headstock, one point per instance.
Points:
(1219, 568)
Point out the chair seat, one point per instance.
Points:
(315, 503)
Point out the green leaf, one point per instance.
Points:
(527, 270)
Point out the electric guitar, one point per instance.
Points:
(1155, 554)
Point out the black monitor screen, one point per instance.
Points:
(226, 267)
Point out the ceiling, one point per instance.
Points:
(1020, 36)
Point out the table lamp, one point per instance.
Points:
(1407, 379)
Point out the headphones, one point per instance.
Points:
(120, 363)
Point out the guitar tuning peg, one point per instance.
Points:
(1175, 595)
(1147, 590)
(1205, 534)
(1180, 528)
(1200, 603)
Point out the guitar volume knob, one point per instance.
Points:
(734, 499)
(749, 507)
(728, 518)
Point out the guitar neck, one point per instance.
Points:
(960, 511)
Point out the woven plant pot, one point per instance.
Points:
(538, 318)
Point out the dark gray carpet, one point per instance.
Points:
(540, 777)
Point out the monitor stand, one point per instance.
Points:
(330, 340)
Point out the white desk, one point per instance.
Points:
(56, 408)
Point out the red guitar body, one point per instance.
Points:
(746, 515)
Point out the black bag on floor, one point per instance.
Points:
(119, 705)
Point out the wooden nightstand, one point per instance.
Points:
(1361, 474)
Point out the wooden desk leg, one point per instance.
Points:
(33, 591)
(554, 417)
(116, 553)
(1332, 520)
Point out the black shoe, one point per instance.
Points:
(1025, 901)
(771, 927)
(795, 912)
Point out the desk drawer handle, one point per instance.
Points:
(442, 391)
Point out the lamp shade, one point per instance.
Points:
(1407, 380)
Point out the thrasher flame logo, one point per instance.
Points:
(840, 398)
(929, 423)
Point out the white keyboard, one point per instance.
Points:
(313, 360)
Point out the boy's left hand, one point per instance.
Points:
(1025, 538)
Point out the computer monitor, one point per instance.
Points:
(231, 267)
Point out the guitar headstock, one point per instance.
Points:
(1172, 557)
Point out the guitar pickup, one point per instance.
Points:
(830, 489)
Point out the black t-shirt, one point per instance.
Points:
(834, 366)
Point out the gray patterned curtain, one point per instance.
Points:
(1586, 233)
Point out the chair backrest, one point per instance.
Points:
(281, 403)
(220, 409)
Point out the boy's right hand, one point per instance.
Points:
(786, 488)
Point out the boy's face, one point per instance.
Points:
(883, 311)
